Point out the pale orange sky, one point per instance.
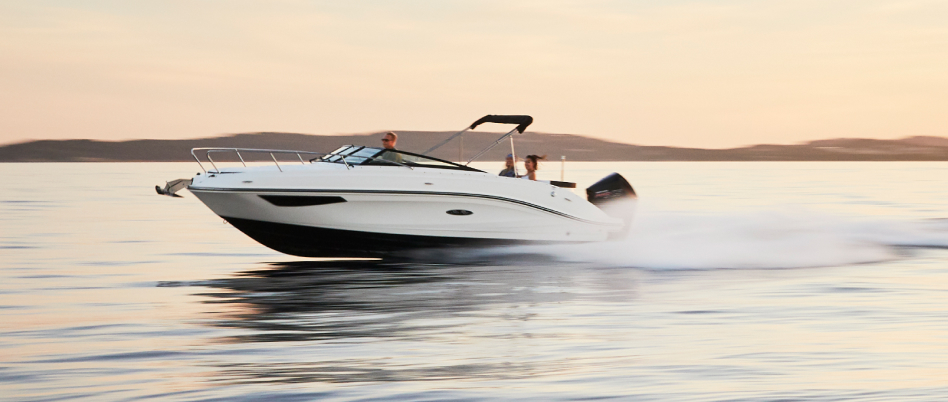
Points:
(684, 73)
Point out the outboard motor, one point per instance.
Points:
(614, 196)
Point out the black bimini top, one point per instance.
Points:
(359, 155)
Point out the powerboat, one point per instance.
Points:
(361, 201)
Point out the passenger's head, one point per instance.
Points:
(388, 141)
(532, 162)
(510, 161)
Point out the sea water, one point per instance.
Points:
(739, 281)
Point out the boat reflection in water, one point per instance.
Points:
(374, 321)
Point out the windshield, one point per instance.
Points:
(353, 154)
(359, 155)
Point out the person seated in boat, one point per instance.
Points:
(531, 163)
(510, 170)
(388, 142)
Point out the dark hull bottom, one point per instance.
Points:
(306, 241)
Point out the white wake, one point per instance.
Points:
(759, 239)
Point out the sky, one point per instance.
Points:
(700, 73)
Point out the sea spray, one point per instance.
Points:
(774, 238)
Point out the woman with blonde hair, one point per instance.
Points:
(532, 163)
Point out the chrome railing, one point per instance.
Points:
(299, 155)
(209, 151)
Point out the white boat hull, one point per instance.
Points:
(405, 208)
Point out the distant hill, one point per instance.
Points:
(574, 147)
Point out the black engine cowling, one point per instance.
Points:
(609, 188)
(614, 196)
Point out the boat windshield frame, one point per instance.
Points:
(357, 155)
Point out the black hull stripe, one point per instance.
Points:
(492, 197)
(301, 200)
(308, 241)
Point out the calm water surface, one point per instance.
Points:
(741, 281)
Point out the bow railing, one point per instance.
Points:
(237, 151)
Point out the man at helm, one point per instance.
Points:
(388, 142)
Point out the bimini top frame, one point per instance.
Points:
(522, 122)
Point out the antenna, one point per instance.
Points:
(563, 168)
